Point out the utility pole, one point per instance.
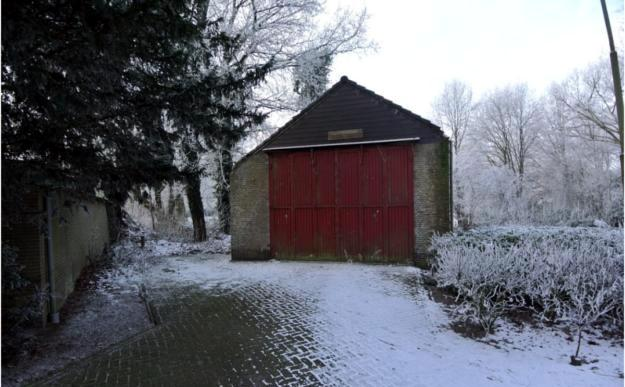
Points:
(616, 78)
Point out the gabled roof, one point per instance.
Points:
(349, 108)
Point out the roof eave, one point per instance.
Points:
(325, 145)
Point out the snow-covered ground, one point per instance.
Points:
(106, 310)
(131, 263)
(91, 320)
(374, 324)
(379, 316)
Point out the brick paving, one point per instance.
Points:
(304, 324)
(210, 339)
(252, 335)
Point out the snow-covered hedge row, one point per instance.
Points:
(564, 274)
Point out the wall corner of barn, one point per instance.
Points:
(432, 194)
(249, 206)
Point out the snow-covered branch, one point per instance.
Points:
(568, 275)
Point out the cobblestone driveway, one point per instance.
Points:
(280, 323)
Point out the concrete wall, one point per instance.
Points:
(432, 201)
(80, 235)
(249, 206)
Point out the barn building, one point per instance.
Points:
(353, 176)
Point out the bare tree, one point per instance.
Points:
(454, 109)
(541, 160)
(288, 36)
(555, 149)
(509, 120)
(588, 95)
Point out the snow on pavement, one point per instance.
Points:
(371, 316)
(107, 312)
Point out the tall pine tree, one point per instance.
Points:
(83, 87)
(88, 88)
(217, 120)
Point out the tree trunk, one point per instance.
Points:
(115, 215)
(616, 79)
(158, 200)
(179, 210)
(170, 200)
(222, 188)
(575, 360)
(152, 216)
(194, 197)
(579, 342)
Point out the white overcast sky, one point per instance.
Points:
(486, 43)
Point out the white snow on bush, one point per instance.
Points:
(568, 275)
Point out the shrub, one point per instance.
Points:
(11, 270)
(563, 274)
(22, 301)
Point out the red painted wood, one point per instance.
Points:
(373, 177)
(349, 231)
(304, 238)
(399, 219)
(348, 177)
(280, 180)
(398, 169)
(325, 231)
(325, 178)
(280, 231)
(354, 202)
(373, 231)
(280, 217)
(303, 192)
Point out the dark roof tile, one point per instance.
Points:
(348, 105)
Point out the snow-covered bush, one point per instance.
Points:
(485, 277)
(563, 274)
(508, 236)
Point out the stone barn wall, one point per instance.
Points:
(432, 201)
(249, 206)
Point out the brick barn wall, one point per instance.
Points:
(249, 206)
(432, 200)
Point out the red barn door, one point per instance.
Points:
(351, 202)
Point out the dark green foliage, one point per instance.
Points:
(83, 86)
(196, 207)
(222, 184)
(444, 156)
(217, 123)
(11, 270)
(88, 85)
